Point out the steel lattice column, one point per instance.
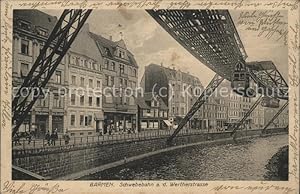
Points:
(214, 83)
(275, 116)
(56, 46)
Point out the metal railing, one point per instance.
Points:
(102, 139)
(109, 139)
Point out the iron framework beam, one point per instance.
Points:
(237, 126)
(56, 46)
(267, 75)
(203, 34)
(275, 116)
(214, 83)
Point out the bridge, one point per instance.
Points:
(208, 35)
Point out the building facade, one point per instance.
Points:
(120, 75)
(152, 113)
(31, 29)
(178, 90)
(85, 77)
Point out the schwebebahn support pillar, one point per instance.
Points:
(236, 127)
(210, 88)
(275, 116)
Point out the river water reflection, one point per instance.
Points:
(243, 161)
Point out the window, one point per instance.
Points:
(122, 67)
(113, 66)
(58, 77)
(72, 120)
(81, 100)
(91, 83)
(90, 101)
(42, 32)
(56, 101)
(122, 54)
(73, 80)
(125, 82)
(81, 120)
(24, 47)
(107, 80)
(112, 82)
(24, 69)
(24, 25)
(77, 61)
(90, 119)
(106, 63)
(134, 72)
(106, 50)
(94, 65)
(82, 62)
(98, 101)
(72, 99)
(121, 82)
(86, 121)
(82, 81)
(98, 84)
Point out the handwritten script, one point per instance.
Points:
(263, 187)
(270, 24)
(31, 188)
(156, 4)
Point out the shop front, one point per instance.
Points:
(119, 122)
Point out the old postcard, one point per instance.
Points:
(149, 96)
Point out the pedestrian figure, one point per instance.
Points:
(53, 138)
(47, 138)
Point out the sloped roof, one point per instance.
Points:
(148, 96)
(36, 18)
(140, 101)
(172, 73)
(103, 44)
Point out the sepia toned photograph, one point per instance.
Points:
(156, 94)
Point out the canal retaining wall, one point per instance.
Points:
(65, 161)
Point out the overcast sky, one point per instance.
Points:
(151, 44)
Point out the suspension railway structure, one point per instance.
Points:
(208, 35)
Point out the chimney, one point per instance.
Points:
(110, 37)
(161, 64)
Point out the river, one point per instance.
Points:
(245, 160)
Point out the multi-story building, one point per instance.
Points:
(178, 90)
(237, 105)
(84, 108)
(120, 75)
(152, 112)
(31, 29)
(93, 87)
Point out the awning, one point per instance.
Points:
(98, 116)
(168, 123)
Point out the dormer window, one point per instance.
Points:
(24, 25)
(42, 32)
(121, 54)
(106, 50)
